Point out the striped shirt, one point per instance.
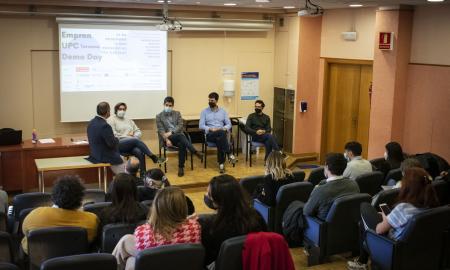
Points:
(400, 217)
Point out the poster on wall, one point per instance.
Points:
(249, 85)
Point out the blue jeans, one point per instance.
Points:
(135, 147)
(269, 142)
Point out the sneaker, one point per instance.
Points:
(180, 171)
(356, 265)
(221, 168)
(232, 159)
(160, 160)
(199, 155)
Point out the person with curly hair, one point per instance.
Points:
(67, 196)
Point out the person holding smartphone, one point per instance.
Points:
(416, 195)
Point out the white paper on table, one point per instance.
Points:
(47, 140)
(80, 142)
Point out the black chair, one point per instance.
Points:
(96, 208)
(27, 200)
(286, 194)
(93, 196)
(23, 214)
(6, 248)
(163, 146)
(299, 176)
(250, 146)
(338, 233)
(377, 163)
(93, 261)
(370, 183)
(147, 203)
(250, 183)
(206, 144)
(442, 191)
(388, 197)
(316, 176)
(3, 222)
(112, 233)
(54, 242)
(395, 174)
(230, 254)
(171, 257)
(421, 247)
(8, 266)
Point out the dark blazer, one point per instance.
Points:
(102, 143)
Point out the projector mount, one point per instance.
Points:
(167, 23)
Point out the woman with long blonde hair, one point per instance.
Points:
(168, 224)
(277, 175)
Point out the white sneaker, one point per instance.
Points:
(356, 265)
(221, 168)
(232, 159)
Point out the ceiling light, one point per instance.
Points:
(229, 4)
(262, 1)
(198, 3)
(435, 0)
(355, 5)
(288, 7)
(162, 1)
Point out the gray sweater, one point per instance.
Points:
(324, 194)
(169, 122)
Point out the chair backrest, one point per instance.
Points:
(22, 215)
(93, 196)
(96, 208)
(395, 174)
(298, 191)
(30, 200)
(370, 183)
(342, 233)
(388, 197)
(112, 233)
(251, 182)
(92, 261)
(171, 257)
(377, 162)
(230, 254)
(422, 243)
(316, 176)
(299, 176)
(8, 266)
(54, 242)
(3, 222)
(442, 191)
(6, 252)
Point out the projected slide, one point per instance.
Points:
(93, 59)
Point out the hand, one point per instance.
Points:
(169, 143)
(167, 134)
(260, 131)
(131, 134)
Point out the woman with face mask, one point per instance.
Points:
(234, 215)
(393, 157)
(129, 136)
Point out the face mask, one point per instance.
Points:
(258, 111)
(346, 156)
(167, 109)
(121, 114)
(209, 202)
(212, 104)
(385, 156)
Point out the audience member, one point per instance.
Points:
(125, 207)
(102, 143)
(170, 129)
(406, 164)
(3, 201)
(129, 136)
(216, 124)
(393, 157)
(155, 180)
(417, 194)
(356, 165)
(132, 169)
(258, 125)
(234, 215)
(168, 224)
(277, 175)
(328, 190)
(67, 195)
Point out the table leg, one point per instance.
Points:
(99, 172)
(42, 181)
(105, 176)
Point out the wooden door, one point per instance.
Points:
(347, 106)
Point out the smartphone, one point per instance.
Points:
(385, 209)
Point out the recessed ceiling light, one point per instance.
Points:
(435, 0)
(262, 1)
(229, 4)
(162, 1)
(288, 7)
(198, 3)
(355, 5)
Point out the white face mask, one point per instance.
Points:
(385, 156)
(167, 109)
(346, 156)
(121, 113)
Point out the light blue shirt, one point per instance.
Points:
(214, 119)
(400, 217)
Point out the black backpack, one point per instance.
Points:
(292, 223)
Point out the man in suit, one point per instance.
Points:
(102, 142)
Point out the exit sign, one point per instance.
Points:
(386, 41)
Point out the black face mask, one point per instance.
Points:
(212, 104)
(209, 202)
(258, 111)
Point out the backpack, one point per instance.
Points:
(292, 223)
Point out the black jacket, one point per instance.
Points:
(102, 143)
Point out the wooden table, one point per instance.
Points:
(69, 163)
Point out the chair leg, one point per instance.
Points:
(205, 156)
(165, 163)
(192, 162)
(246, 152)
(250, 154)
(314, 257)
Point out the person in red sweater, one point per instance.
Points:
(168, 224)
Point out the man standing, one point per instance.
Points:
(103, 144)
(170, 129)
(216, 124)
(258, 125)
(356, 165)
